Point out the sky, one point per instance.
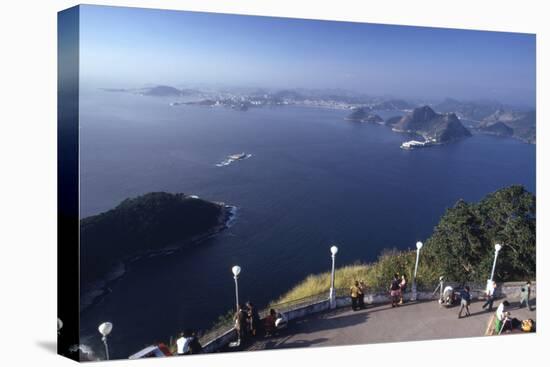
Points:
(123, 47)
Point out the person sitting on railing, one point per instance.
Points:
(184, 341)
(195, 346)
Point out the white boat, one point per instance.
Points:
(232, 158)
(414, 144)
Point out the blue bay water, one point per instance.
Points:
(314, 180)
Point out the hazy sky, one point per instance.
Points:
(128, 47)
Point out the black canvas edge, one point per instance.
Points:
(68, 242)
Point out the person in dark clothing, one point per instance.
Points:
(354, 294)
(403, 287)
(253, 319)
(395, 291)
(362, 290)
(195, 346)
(241, 323)
(465, 299)
(269, 322)
(490, 296)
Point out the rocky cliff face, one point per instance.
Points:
(521, 125)
(433, 126)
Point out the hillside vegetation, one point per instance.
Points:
(461, 248)
(147, 223)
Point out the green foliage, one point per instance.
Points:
(147, 223)
(462, 245)
(377, 276)
(461, 248)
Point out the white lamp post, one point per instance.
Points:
(236, 271)
(105, 329)
(498, 247)
(418, 248)
(332, 294)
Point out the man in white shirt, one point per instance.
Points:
(183, 344)
(501, 315)
(491, 286)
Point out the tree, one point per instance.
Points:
(462, 245)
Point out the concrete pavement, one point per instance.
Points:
(382, 324)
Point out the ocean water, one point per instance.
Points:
(313, 180)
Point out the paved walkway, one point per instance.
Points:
(382, 324)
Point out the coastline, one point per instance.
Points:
(94, 292)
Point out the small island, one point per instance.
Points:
(151, 223)
(363, 114)
(435, 128)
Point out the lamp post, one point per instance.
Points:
(498, 247)
(236, 271)
(105, 329)
(332, 294)
(418, 248)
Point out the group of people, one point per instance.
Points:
(503, 318)
(357, 294)
(247, 321)
(466, 297)
(188, 343)
(398, 287)
(249, 324)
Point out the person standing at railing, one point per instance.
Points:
(240, 323)
(395, 291)
(269, 322)
(362, 290)
(402, 287)
(354, 293)
(253, 318)
(524, 295)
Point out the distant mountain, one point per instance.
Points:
(393, 120)
(162, 91)
(393, 105)
(145, 224)
(498, 128)
(470, 110)
(521, 124)
(358, 114)
(433, 126)
(363, 114)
